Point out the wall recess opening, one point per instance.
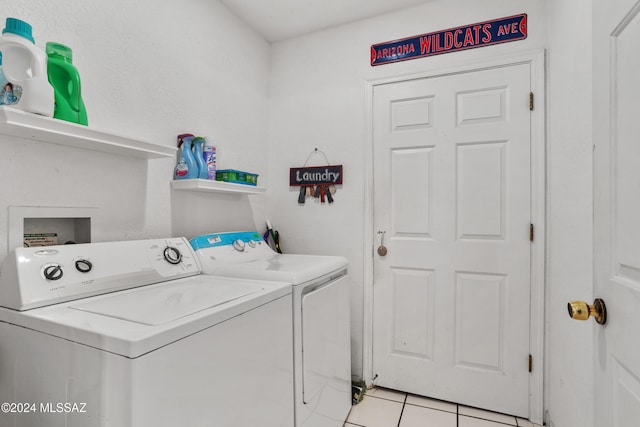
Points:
(47, 225)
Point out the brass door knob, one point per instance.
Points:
(580, 310)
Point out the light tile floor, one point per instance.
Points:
(388, 408)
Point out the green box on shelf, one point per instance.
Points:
(237, 177)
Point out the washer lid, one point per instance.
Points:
(136, 321)
(166, 303)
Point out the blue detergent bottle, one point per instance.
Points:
(198, 142)
(186, 168)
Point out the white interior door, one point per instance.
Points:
(617, 211)
(452, 192)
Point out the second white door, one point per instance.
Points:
(616, 212)
(452, 197)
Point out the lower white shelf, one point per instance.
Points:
(210, 186)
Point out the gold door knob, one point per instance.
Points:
(580, 310)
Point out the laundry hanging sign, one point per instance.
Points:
(487, 33)
(316, 175)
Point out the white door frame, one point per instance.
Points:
(538, 195)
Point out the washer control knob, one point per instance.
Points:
(83, 265)
(238, 245)
(252, 243)
(172, 255)
(53, 272)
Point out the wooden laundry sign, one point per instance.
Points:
(315, 175)
(480, 34)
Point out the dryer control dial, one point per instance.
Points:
(238, 245)
(252, 243)
(52, 271)
(83, 265)
(172, 255)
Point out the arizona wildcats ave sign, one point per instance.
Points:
(486, 33)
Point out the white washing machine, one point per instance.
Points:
(129, 334)
(321, 321)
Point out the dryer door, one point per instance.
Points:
(326, 349)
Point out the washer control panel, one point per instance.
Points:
(39, 276)
(237, 241)
(220, 249)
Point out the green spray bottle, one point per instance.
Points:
(65, 80)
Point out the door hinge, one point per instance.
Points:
(530, 363)
(531, 232)
(530, 101)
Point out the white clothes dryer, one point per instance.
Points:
(130, 334)
(321, 320)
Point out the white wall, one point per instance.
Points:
(317, 99)
(569, 379)
(151, 70)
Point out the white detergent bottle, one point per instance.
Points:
(25, 68)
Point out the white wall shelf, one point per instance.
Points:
(206, 185)
(21, 124)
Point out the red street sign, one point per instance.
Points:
(502, 30)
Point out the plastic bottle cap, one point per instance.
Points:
(58, 50)
(18, 27)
